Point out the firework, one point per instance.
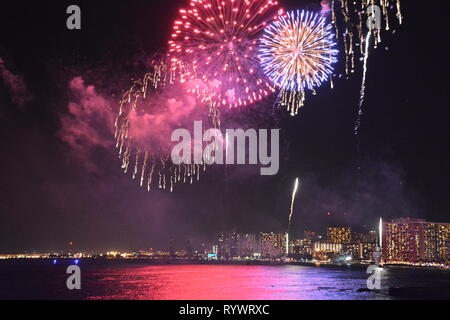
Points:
(380, 232)
(361, 99)
(294, 193)
(350, 20)
(297, 53)
(149, 111)
(291, 212)
(218, 40)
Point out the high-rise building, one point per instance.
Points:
(326, 250)
(223, 250)
(352, 249)
(413, 240)
(366, 250)
(437, 241)
(233, 245)
(248, 245)
(339, 235)
(272, 244)
(301, 247)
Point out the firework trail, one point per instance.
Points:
(380, 232)
(218, 41)
(361, 101)
(297, 53)
(149, 111)
(294, 193)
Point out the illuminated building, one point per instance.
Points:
(234, 239)
(437, 241)
(352, 249)
(339, 235)
(223, 249)
(366, 250)
(234, 245)
(301, 247)
(272, 244)
(228, 245)
(412, 240)
(326, 250)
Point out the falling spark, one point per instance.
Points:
(349, 18)
(361, 100)
(162, 172)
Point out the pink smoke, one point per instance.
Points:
(15, 84)
(325, 8)
(89, 124)
(157, 116)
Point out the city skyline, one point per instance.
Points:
(404, 241)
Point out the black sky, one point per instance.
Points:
(48, 198)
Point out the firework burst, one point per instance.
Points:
(297, 53)
(218, 39)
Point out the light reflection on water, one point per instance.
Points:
(219, 282)
(125, 280)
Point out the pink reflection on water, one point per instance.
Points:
(222, 282)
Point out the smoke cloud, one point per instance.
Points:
(357, 201)
(89, 123)
(160, 113)
(325, 8)
(15, 84)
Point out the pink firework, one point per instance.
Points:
(218, 39)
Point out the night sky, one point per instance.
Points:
(52, 193)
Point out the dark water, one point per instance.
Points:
(43, 280)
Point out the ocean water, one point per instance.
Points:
(114, 280)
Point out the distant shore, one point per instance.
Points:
(168, 261)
